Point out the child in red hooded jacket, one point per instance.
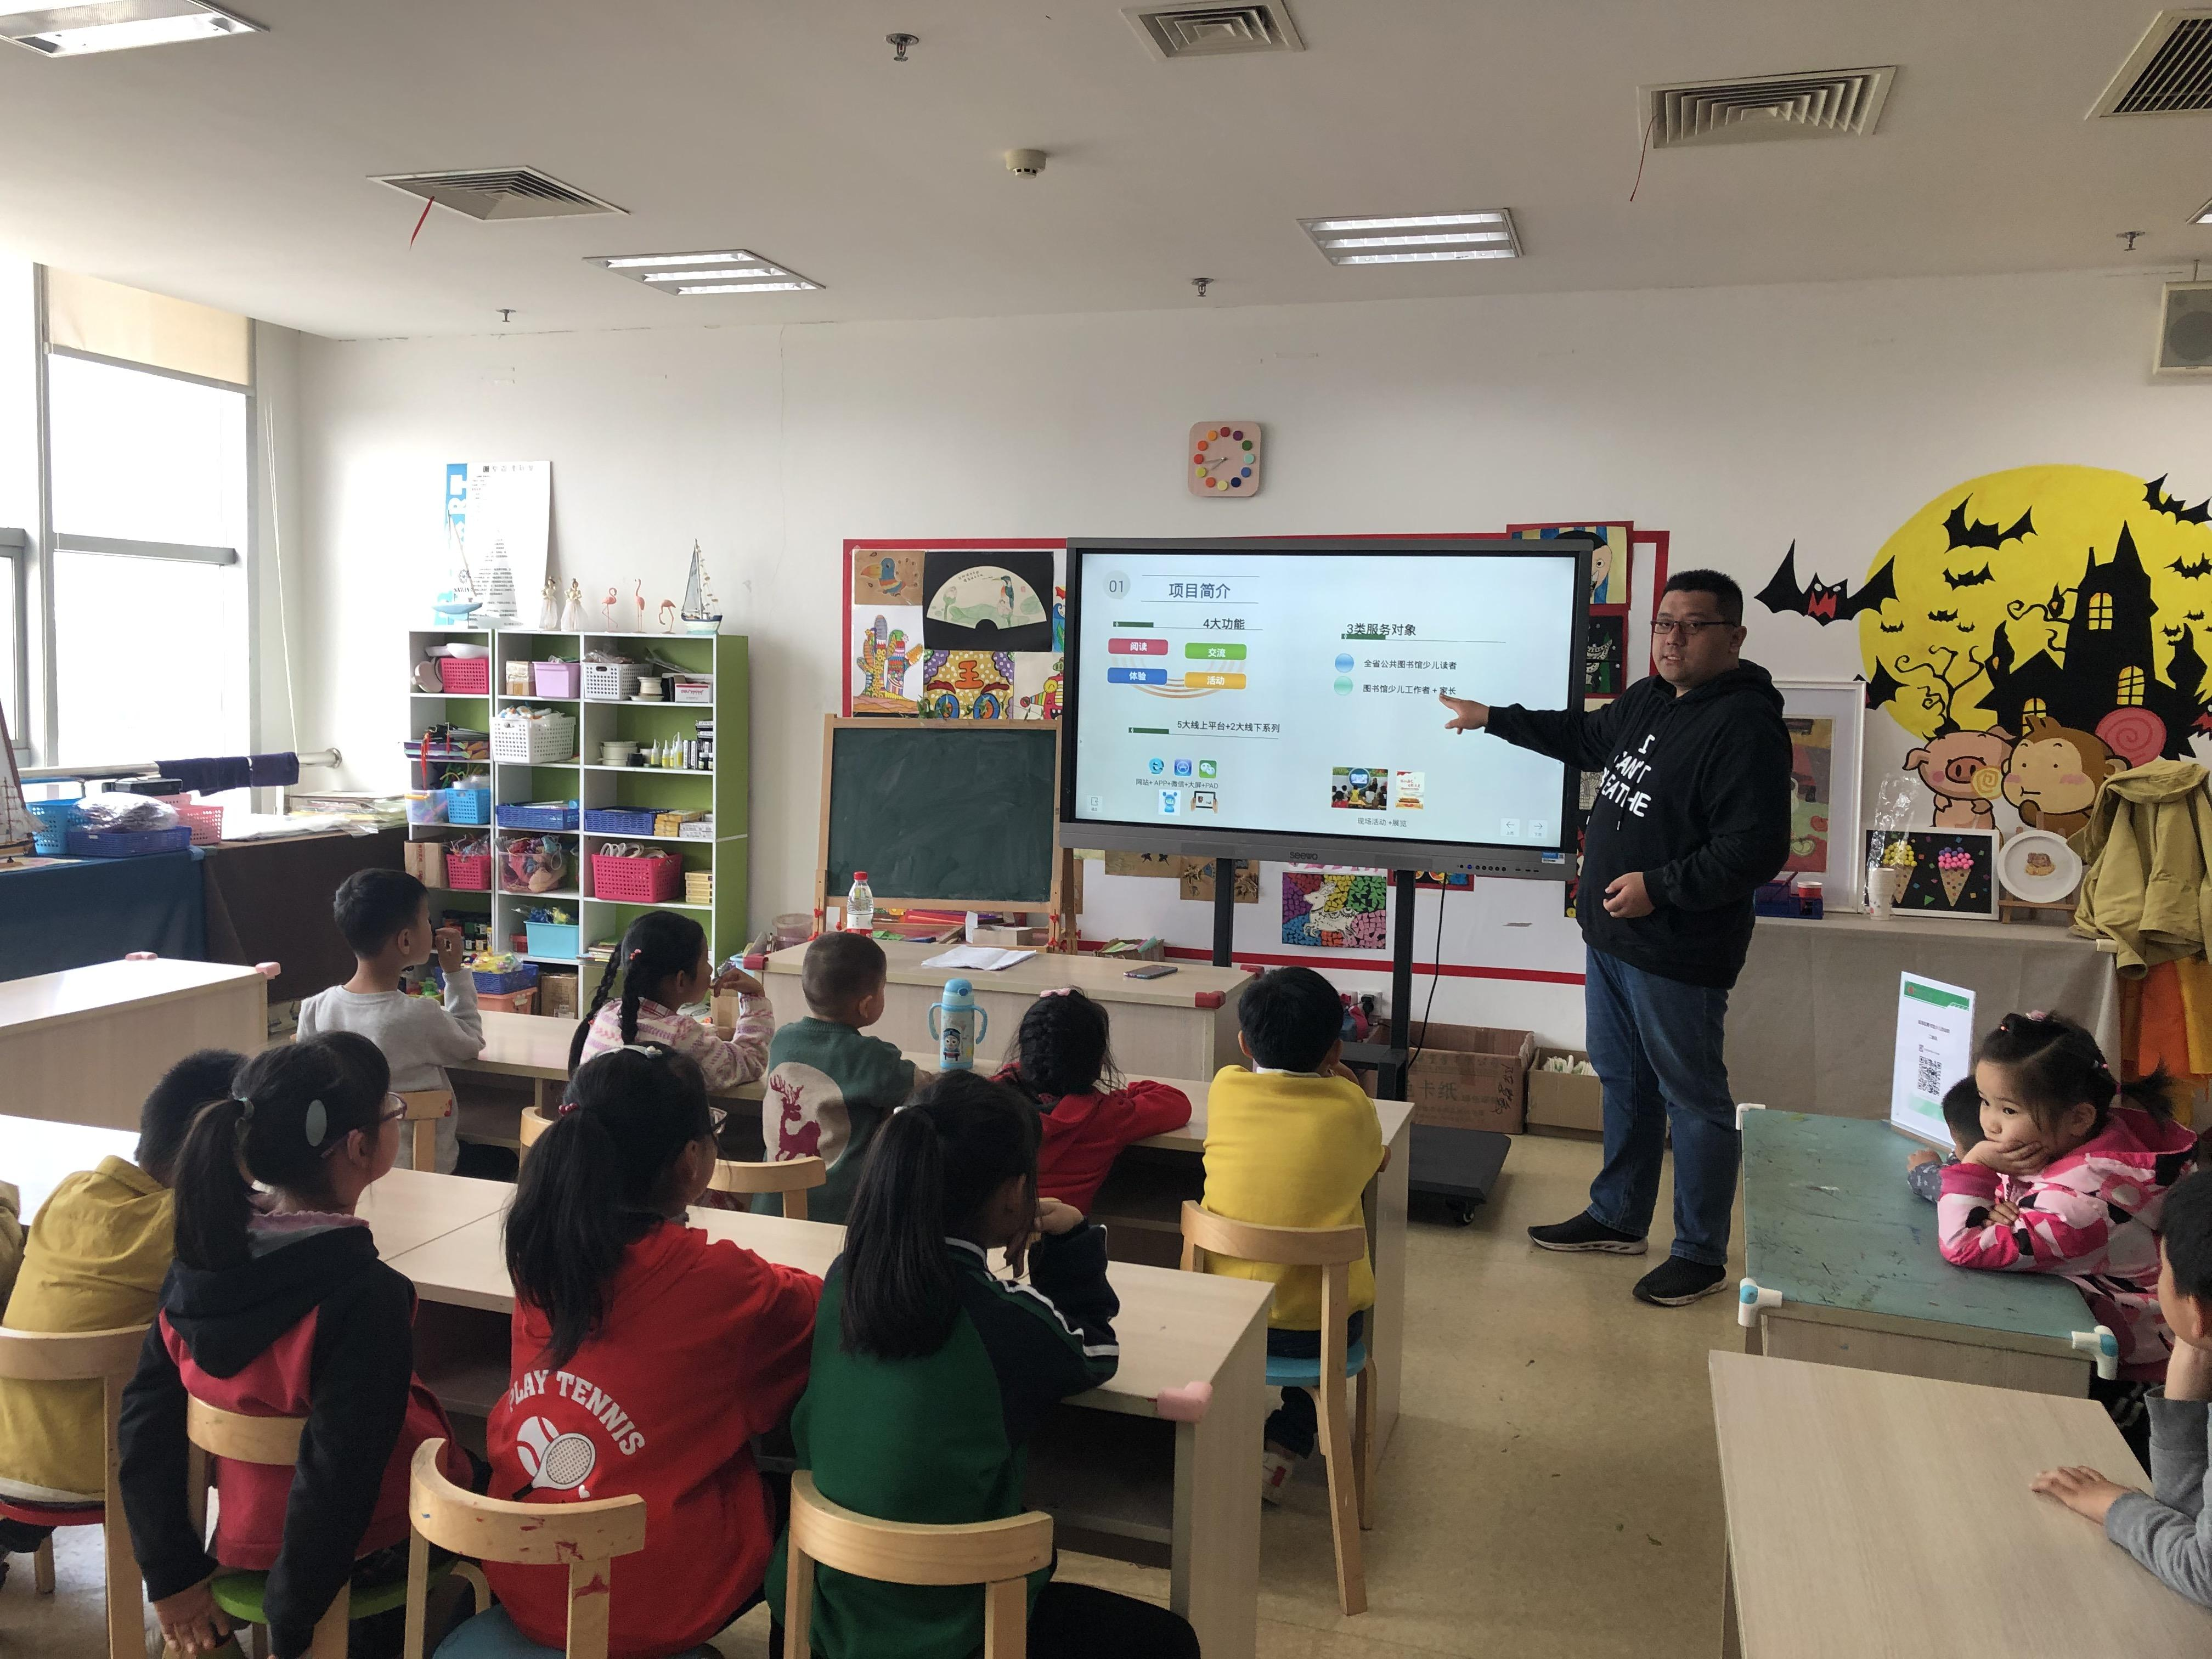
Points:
(1060, 1059)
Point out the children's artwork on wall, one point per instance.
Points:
(1609, 560)
(1336, 910)
(968, 685)
(1143, 864)
(1037, 689)
(1812, 745)
(1827, 721)
(997, 600)
(1948, 871)
(887, 660)
(887, 576)
(1197, 877)
(1605, 655)
(1458, 881)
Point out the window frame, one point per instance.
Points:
(16, 573)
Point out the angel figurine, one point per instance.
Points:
(549, 606)
(571, 615)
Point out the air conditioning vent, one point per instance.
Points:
(1214, 31)
(2185, 330)
(1817, 104)
(500, 193)
(2168, 73)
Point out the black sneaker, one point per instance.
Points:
(1678, 1281)
(1586, 1232)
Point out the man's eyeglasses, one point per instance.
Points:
(1688, 627)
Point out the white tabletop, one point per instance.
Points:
(1104, 977)
(37, 1155)
(76, 992)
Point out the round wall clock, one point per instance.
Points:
(1225, 460)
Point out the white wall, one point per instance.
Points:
(1737, 419)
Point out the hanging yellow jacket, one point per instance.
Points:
(2147, 848)
(94, 1260)
(1286, 1150)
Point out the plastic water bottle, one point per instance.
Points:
(958, 1024)
(859, 905)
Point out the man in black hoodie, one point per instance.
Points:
(1693, 814)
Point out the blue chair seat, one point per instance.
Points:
(493, 1636)
(1285, 1372)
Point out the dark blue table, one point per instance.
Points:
(67, 915)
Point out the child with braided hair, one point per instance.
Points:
(1063, 1066)
(661, 965)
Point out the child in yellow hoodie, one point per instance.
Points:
(1291, 1144)
(93, 1260)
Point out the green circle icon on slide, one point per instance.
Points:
(1343, 687)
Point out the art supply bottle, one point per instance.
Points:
(958, 1024)
(859, 905)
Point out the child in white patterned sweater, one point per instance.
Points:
(662, 965)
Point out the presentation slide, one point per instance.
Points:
(1297, 693)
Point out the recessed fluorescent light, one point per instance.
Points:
(2202, 216)
(731, 271)
(75, 31)
(1415, 237)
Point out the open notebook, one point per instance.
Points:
(983, 958)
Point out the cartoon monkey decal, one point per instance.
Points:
(2054, 774)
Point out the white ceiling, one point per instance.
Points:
(236, 171)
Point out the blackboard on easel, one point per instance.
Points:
(959, 813)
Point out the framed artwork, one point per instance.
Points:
(1605, 655)
(953, 630)
(1609, 561)
(1826, 720)
(1951, 872)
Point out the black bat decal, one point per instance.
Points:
(1825, 602)
(2174, 633)
(2199, 566)
(1942, 616)
(1969, 578)
(2154, 494)
(1884, 687)
(1891, 628)
(2193, 616)
(1968, 532)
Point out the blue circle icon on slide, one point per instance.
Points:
(1344, 662)
(1344, 688)
(1159, 767)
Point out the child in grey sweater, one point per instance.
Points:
(2168, 1529)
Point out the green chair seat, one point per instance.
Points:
(239, 1594)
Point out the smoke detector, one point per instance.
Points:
(500, 193)
(1025, 163)
(1808, 104)
(2168, 73)
(1213, 31)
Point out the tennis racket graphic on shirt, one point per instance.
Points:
(554, 1461)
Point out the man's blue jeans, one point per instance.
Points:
(1656, 1045)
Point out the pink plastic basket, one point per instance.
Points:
(469, 874)
(469, 675)
(205, 819)
(554, 679)
(637, 881)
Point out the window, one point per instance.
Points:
(15, 663)
(2034, 709)
(2100, 613)
(147, 584)
(2133, 682)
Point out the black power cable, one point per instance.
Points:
(1436, 963)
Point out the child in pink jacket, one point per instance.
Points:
(2069, 1178)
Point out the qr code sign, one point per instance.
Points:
(1931, 1074)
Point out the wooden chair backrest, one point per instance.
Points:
(581, 1537)
(1290, 1247)
(996, 1554)
(215, 1433)
(535, 1122)
(792, 1177)
(70, 1355)
(425, 1108)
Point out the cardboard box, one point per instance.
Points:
(1471, 1077)
(556, 995)
(1008, 939)
(1565, 1100)
(426, 862)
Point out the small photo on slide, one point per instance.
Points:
(1359, 788)
(1407, 789)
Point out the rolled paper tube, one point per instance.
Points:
(268, 970)
(142, 956)
(1186, 1404)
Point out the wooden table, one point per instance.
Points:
(406, 1209)
(86, 1045)
(1182, 1026)
(1891, 1514)
(1118, 1478)
(1829, 1223)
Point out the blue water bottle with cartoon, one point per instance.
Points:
(958, 1024)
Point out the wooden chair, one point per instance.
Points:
(1350, 1453)
(792, 1177)
(581, 1537)
(107, 1358)
(536, 1121)
(215, 1433)
(997, 1554)
(425, 1106)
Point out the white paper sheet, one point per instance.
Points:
(982, 957)
(1935, 1050)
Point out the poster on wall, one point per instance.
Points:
(1826, 722)
(498, 518)
(953, 630)
(1610, 561)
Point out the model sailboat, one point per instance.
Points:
(702, 614)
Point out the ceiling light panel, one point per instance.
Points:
(727, 270)
(1415, 237)
(77, 31)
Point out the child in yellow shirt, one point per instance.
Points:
(1291, 1144)
(93, 1260)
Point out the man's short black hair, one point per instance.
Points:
(197, 1080)
(840, 971)
(2186, 1226)
(1290, 1017)
(372, 905)
(1727, 596)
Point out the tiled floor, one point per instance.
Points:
(1551, 1492)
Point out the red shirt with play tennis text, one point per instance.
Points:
(704, 1345)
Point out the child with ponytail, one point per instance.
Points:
(2070, 1177)
(1063, 1066)
(279, 1306)
(661, 966)
(645, 1357)
(930, 1373)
